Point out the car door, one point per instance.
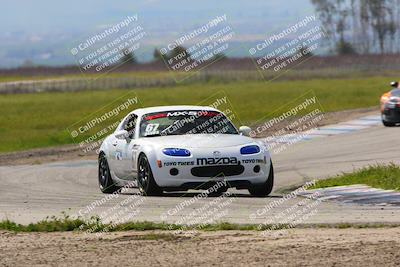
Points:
(114, 156)
(126, 149)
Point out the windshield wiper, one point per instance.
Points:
(155, 135)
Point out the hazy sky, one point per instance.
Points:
(43, 30)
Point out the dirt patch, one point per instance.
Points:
(73, 152)
(299, 247)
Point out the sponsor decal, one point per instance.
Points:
(252, 161)
(194, 113)
(178, 163)
(152, 128)
(182, 113)
(213, 161)
(218, 161)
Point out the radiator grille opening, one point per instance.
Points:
(211, 171)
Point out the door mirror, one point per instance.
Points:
(394, 84)
(122, 134)
(245, 130)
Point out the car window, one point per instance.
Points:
(130, 124)
(185, 122)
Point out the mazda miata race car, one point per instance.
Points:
(177, 148)
(390, 106)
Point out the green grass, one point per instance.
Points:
(94, 225)
(40, 120)
(294, 74)
(378, 176)
(54, 225)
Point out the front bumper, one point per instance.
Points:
(391, 114)
(197, 174)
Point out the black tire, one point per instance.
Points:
(264, 189)
(388, 124)
(106, 183)
(146, 184)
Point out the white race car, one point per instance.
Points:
(176, 148)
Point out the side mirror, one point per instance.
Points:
(245, 130)
(394, 84)
(122, 134)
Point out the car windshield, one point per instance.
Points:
(185, 122)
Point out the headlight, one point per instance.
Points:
(176, 152)
(247, 150)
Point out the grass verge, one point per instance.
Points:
(41, 120)
(94, 225)
(378, 176)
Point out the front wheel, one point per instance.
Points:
(145, 180)
(264, 189)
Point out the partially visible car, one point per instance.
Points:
(390, 106)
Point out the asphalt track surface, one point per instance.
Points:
(30, 193)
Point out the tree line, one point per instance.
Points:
(352, 26)
(130, 57)
(361, 26)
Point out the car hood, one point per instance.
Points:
(199, 140)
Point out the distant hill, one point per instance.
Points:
(43, 31)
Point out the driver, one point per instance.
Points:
(395, 84)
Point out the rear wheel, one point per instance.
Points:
(145, 180)
(106, 182)
(264, 189)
